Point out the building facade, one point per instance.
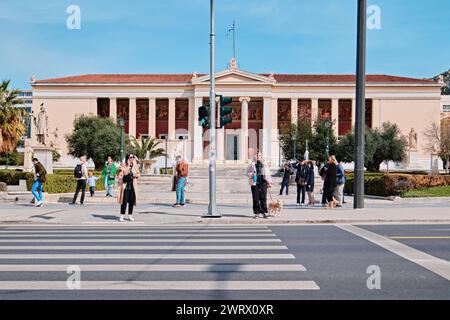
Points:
(264, 106)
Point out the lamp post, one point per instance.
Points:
(122, 125)
(165, 164)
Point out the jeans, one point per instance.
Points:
(340, 193)
(301, 189)
(92, 190)
(81, 185)
(36, 190)
(180, 190)
(108, 187)
(284, 184)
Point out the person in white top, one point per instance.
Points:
(81, 174)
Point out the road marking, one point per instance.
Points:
(181, 240)
(111, 236)
(154, 247)
(155, 267)
(204, 231)
(436, 265)
(75, 256)
(163, 285)
(420, 237)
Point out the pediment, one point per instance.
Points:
(235, 77)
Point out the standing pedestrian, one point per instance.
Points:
(329, 185)
(181, 174)
(259, 177)
(109, 176)
(128, 176)
(340, 183)
(310, 183)
(301, 178)
(286, 172)
(81, 174)
(39, 178)
(91, 181)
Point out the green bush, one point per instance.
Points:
(12, 177)
(163, 171)
(385, 185)
(13, 158)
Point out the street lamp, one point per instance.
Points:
(122, 125)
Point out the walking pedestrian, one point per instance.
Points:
(181, 174)
(109, 176)
(301, 178)
(310, 183)
(91, 181)
(81, 174)
(128, 176)
(329, 185)
(260, 179)
(340, 183)
(39, 178)
(286, 172)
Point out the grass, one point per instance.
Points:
(442, 191)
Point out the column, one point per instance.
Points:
(220, 137)
(152, 117)
(335, 116)
(353, 113)
(113, 109)
(274, 134)
(314, 111)
(132, 125)
(267, 130)
(243, 144)
(376, 113)
(192, 120)
(294, 111)
(198, 132)
(171, 126)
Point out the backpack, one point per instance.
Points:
(77, 172)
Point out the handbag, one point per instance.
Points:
(174, 183)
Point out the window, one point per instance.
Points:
(446, 108)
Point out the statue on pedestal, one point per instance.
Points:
(412, 140)
(41, 123)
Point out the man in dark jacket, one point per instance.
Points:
(301, 178)
(286, 171)
(39, 179)
(329, 185)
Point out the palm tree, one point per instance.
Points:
(12, 125)
(144, 145)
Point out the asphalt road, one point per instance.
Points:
(222, 262)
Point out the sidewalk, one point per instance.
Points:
(376, 211)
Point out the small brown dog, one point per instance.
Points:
(275, 208)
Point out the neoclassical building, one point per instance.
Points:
(264, 106)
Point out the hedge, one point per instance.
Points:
(396, 184)
(56, 183)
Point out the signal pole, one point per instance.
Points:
(212, 208)
(358, 202)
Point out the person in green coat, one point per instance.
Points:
(109, 176)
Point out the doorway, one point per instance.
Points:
(232, 147)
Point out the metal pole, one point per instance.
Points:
(165, 165)
(234, 40)
(121, 144)
(212, 209)
(358, 202)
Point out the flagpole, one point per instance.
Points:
(234, 41)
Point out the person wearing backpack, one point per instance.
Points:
(301, 178)
(181, 173)
(81, 174)
(340, 184)
(39, 179)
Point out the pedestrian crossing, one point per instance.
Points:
(147, 258)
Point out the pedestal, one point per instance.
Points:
(45, 156)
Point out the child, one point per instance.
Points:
(91, 181)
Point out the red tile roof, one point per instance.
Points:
(186, 78)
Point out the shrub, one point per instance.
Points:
(12, 177)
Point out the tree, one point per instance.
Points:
(297, 135)
(319, 141)
(95, 137)
(12, 125)
(345, 150)
(144, 145)
(390, 146)
(444, 150)
(446, 77)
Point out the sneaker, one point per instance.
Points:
(265, 215)
(303, 204)
(121, 218)
(38, 204)
(72, 203)
(182, 204)
(176, 205)
(131, 218)
(256, 216)
(298, 205)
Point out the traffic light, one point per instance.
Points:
(203, 114)
(225, 113)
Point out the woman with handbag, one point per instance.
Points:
(128, 186)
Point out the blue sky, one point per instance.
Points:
(172, 36)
